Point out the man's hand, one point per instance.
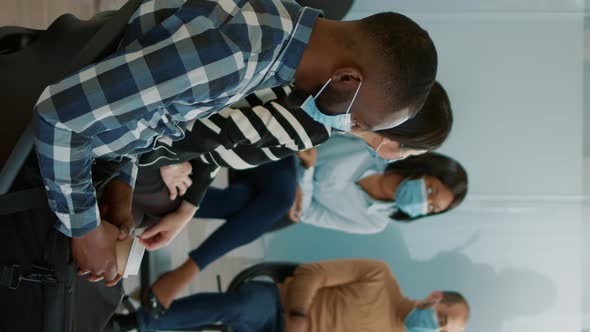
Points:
(162, 233)
(296, 324)
(176, 178)
(94, 253)
(308, 157)
(115, 207)
(295, 211)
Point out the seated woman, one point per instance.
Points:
(260, 196)
(352, 193)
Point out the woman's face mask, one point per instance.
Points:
(341, 122)
(374, 153)
(422, 320)
(411, 198)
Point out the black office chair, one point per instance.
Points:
(276, 271)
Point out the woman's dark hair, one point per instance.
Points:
(429, 128)
(445, 169)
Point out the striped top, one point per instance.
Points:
(256, 130)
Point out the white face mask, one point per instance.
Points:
(341, 122)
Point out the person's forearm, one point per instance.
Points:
(170, 284)
(189, 268)
(187, 210)
(128, 173)
(115, 206)
(119, 193)
(302, 290)
(202, 177)
(65, 165)
(186, 273)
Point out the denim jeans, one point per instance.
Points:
(251, 205)
(253, 307)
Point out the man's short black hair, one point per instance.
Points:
(453, 298)
(408, 57)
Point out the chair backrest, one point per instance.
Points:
(14, 39)
(277, 271)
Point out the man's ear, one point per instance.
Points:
(347, 78)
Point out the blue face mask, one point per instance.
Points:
(422, 320)
(341, 122)
(410, 197)
(374, 153)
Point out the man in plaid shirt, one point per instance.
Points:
(187, 59)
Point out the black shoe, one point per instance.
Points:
(121, 323)
(152, 305)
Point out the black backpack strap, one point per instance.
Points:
(11, 276)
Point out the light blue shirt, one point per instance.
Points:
(330, 196)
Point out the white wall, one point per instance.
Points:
(515, 81)
(411, 7)
(519, 264)
(514, 71)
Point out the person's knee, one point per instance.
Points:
(280, 191)
(282, 195)
(255, 293)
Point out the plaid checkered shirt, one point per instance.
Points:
(179, 60)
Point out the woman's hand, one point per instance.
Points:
(308, 157)
(164, 232)
(295, 211)
(167, 287)
(177, 178)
